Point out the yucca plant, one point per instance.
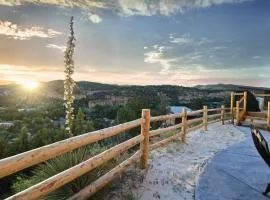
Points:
(59, 164)
(69, 83)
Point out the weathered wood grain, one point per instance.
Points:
(144, 146)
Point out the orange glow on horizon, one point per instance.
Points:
(30, 85)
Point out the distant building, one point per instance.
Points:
(26, 109)
(178, 109)
(6, 125)
(5, 92)
(3, 108)
(111, 122)
(60, 122)
(108, 100)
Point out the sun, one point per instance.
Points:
(30, 84)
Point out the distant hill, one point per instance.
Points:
(81, 84)
(98, 92)
(57, 86)
(229, 87)
(104, 93)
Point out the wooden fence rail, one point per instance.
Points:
(262, 95)
(195, 113)
(165, 130)
(21, 161)
(199, 118)
(105, 179)
(195, 120)
(70, 174)
(165, 117)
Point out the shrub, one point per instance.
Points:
(59, 164)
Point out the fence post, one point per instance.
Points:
(144, 146)
(222, 114)
(232, 101)
(268, 116)
(237, 113)
(232, 106)
(245, 102)
(205, 116)
(184, 125)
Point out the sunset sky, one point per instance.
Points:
(180, 42)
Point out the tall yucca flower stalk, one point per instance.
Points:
(69, 82)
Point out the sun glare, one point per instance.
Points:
(30, 84)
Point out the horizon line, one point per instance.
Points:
(44, 82)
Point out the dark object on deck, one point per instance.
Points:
(252, 103)
(262, 147)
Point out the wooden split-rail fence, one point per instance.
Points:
(189, 121)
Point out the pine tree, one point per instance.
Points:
(23, 139)
(82, 125)
(69, 82)
(2, 147)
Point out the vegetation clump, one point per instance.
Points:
(59, 164)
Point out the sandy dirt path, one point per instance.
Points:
(175, 168)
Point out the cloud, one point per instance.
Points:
(74, 3)
(256, 57)
(7, 68)
(187, 39)
(25, 33)
(219, 47)
(6, 3)
(157, 56)
(55, 46)
(204, 69)
(165, 7)
(178, 52)
(194, 57)
(130, 7)
(264, 76)
(3, 80)
(96, 19)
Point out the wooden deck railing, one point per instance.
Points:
(239, 112)
(242, 113)
(262, 118)
(189, 121)
(262, 95)
(268, 115)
